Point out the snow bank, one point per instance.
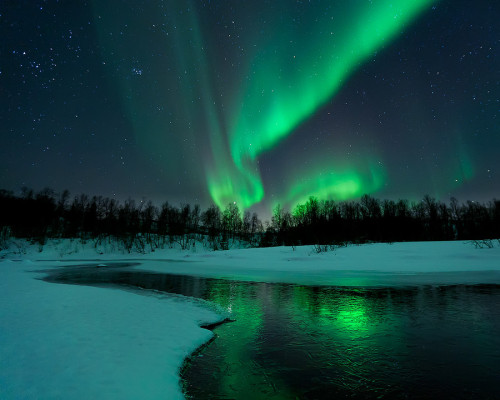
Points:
(378, 264)
(62, 341)
(75, 342)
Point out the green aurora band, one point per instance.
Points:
(338, 184)
(286, 75)
(288, 85)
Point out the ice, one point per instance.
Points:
(68, 341)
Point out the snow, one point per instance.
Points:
(66, 341)
(75, 342)
(378, 264)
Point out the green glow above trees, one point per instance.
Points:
(290, 78)
(337, 183)
(225, 124)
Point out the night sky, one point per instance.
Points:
(254, 102)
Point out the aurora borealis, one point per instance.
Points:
(257, 103)
(289, 86)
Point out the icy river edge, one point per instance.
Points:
(80, 342)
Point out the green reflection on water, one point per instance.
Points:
(327, 333)
(352, 317)
(307, 342)
(291, 341)
(241, 372)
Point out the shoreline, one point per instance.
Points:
(109, 334)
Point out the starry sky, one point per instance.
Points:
(254, 102)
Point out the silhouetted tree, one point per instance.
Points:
(44, 214)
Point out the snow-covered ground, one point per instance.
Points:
(62, 341)
(76, 342)
(408, 263)
(378, 264)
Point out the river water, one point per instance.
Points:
(323, 342)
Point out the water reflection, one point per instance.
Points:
(291, 341)
(323, 342)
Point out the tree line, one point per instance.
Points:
(372, 220)
(138, 225)
(144, 226)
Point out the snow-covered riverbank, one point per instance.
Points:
(376, 264)
(77, 342)
(62, 341)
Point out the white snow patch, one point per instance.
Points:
(377, 264)
(74, 342)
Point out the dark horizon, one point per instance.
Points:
(264, 216)
(146, 227)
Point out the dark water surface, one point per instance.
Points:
(306, 342)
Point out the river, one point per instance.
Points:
(322, 342)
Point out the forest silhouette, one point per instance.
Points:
(144, 227)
